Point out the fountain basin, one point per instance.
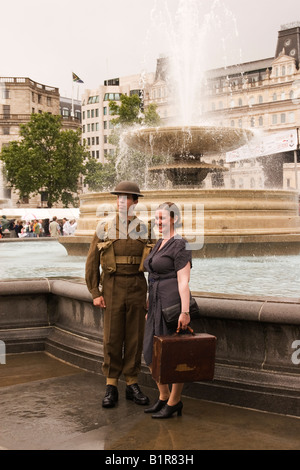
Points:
(235, 222)
(194, 140)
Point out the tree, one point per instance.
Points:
(129, 112)
(126, 164)
(47, 158)
(100, 176)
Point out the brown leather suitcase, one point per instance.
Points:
(183, 358)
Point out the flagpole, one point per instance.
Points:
(72, 97)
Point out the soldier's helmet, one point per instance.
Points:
(127, 187)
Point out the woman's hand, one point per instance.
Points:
(183, 321)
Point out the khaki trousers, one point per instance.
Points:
(124, 323)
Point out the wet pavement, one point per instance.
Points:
(47, 404)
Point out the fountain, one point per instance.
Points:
(236, 222)
(257, 361)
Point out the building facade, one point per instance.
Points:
(97, 124)
(262, 95)
(20, 97)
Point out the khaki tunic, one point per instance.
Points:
(124, 292)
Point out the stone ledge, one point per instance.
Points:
(254, 338)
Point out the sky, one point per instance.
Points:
(102, 39)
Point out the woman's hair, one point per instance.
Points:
(173, 211)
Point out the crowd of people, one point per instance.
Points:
(37, 228)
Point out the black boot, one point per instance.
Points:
(167, 411)
(134, 393)
(156, 407)
(111, 396)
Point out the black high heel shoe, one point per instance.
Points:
(156, 407)
(167, 411)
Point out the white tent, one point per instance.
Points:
(36, 214)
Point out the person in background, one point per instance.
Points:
(66, 227)
(54, 228)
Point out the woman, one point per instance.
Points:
(169, 266)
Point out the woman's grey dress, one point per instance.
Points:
(162, 266)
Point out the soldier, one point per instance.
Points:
(121, 245)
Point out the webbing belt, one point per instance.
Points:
(128, 259)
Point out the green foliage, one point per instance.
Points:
(129, 165)
(128, 112)
(99, 176)
(47, 158)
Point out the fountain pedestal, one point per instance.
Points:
(235, 222)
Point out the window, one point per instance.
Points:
(92, 113)
(112, 97)
(33, 96)
(105, 111)
(97, 112)
(104, 124)
(48, 101)
(260, 99)
(283, 70)
(93, 99)
(274, 98)
(65, 112)
(88, 114)
(93, 127)
(83, 115)
(83, 129)
(282, 118)
(6, 130)
(261, 121)
(39, 99)
(251, 101)
(274, 119)
(6, 110)
(232, 123)
(97, 126)
(240, 102)
(240, 123)
(89, 128)
(292, 95)
(252, 122)
(105, 139)
(283, 95)
(291, 116)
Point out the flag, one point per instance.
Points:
(76, 78)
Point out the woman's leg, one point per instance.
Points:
(164, 391)
(175, 395)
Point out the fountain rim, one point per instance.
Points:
(182, 191)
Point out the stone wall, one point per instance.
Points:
(256, 358)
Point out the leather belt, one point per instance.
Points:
(128, 259)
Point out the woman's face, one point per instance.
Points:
(164, 223)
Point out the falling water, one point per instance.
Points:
(199, 31)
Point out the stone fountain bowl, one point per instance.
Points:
(194, 140)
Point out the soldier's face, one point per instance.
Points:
(124, 202)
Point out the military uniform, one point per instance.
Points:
(120, 247)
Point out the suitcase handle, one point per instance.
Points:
(189, 329)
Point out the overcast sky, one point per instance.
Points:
(100, 39)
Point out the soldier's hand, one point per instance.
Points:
(99, 302)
